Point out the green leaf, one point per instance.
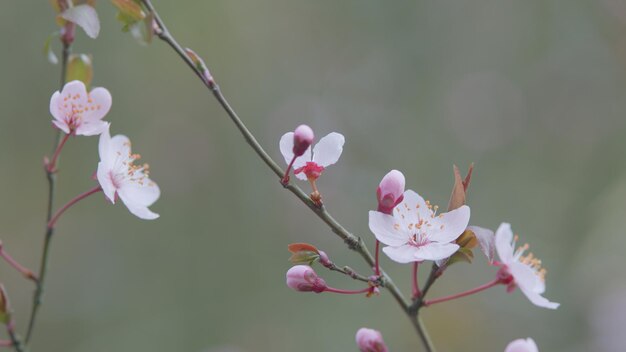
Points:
(304, 257)
(84, 16)
(79, 67)
(47, 48)
(142, 31)
(462, 255)
(129, 13)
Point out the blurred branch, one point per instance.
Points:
(51, 177)
(354, 242)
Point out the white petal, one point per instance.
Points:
(527, 281)
(447, 227)
(522, 345)
(75, 92)
(145, 194)
(504, 242)
(384, 228)
(286, 146)
(435, 251)
(402, 254)
(486, 240)
(91, 128)
(104, 178)
(413, 207)
(104, 142)
(139, 210)
(56, 106)
(98, 104)
(84, 16)
(62, 126)
(328, 150)
(286, 149)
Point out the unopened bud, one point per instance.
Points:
(522, 345)
(302, 138)
(370, 340)
(304, 279)
(390, 191)
(324, 260)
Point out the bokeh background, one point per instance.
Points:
(532, 91)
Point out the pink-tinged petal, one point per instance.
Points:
(386, 229)
(84, 16)
(435, 251)
(139, 210)
(526, 279)
(104, 142)
(328, 150)
(145, 193)
(522, 345)
(286, 146)
(447, 227)
(91, 128)
(75, 93)
(98, 104)
(106, 182)
(412, 208)
(62, 126)
(504, 242)
(286, 149)
(56, 106)
(402, 254)
(486, 241)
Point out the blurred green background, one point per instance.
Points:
(532, 91)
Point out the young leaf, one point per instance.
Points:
(297, 247)
(47, 49)
(86, 17)
(79, 67)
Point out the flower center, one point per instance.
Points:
(125, 170)
(311, 170)
(529, 259)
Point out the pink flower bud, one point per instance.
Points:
(370, 340)
(389, 192)
(304, 279)
(302, 139)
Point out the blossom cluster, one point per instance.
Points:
(77, 112)
(411, 231)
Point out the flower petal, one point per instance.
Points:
(386, 229)
(91, 128)
(528, 282)
(447, 227)
(522, 345)
(145, 193)
(62, 126)
(412, 208)
(486, 240)
(435, 251)
(106, 182)
(286, 149)
(328, 150)
(504, 243)
(402, 254)
(75, 92)
(84, 16)
(139, 210)
(98, 104)
(56, 107)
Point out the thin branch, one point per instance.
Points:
(51, 177)
(354, 242)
